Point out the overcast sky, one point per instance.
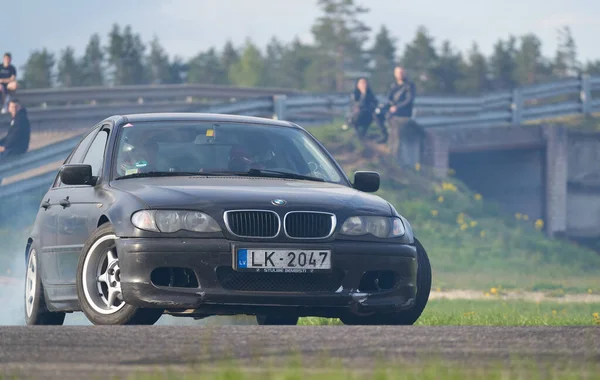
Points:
(186, 27)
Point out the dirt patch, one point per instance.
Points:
(514, 296)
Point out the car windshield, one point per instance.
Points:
(160, 148)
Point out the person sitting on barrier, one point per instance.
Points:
(8, 81)
(364, 103)
(397, 112)
(16, 141)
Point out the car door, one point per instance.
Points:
(79, 212)
(49, 219)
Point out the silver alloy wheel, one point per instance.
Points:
(101, 277)
(30, 283)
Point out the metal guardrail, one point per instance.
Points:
(549, 100)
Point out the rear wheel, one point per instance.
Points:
(276, 320)
(99, 284)
(406, 317)
(36, 311)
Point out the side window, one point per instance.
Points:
(95, 155)
(77, 155)
(80, 151)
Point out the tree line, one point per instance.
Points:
(340, 52)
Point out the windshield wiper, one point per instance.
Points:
(280, 174)
(157, 174)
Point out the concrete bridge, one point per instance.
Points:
(545, 171)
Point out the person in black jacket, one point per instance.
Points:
(399, 107)
(16, 140)
(364, 103)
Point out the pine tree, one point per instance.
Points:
(383, 54)
(274, 74)
(37, 72)
(566, 62)
(92, 63)
(159, 68)
(340, 36)
(249, 70)
(529, 60)
(69, 70)
(421, 60)
(476, 77)
(449, 70)
(207, 68)
(125, 54)
(229, 57)
(503, 65)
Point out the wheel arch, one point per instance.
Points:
(28, 248)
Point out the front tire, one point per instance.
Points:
(406, 317)
(36, 311)
(99, 284)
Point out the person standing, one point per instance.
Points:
(364, 103)
(398, 110)
(8, 80)
(16, 141)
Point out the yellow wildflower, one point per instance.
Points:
(438, 289)
(418, 166)
(478, 197)
(525, 217)
(494, 290)
(482, 234)
(434, 213)
(473, 223)
(518, 216)
(440, 199)
(589, 291)
(463, 227)
(553, 312)
(487, 294)
(468, 313)
(596, 315)
(539, 224)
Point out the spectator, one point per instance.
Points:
(364, 104)
(398, 111)
(16, 140)
(8, 80)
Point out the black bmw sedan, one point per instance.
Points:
(200, 214)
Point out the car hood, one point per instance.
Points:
(204, 193)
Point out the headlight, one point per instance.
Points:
(379, 226)
(172, 221)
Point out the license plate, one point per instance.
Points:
(283, 260)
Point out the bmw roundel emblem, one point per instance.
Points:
(278, 202)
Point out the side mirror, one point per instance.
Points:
(77, 174)
(366, 181)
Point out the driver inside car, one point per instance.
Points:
(242, 160)
(140, 158)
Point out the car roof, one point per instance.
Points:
(198, 116)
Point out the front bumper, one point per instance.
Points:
(208, 258)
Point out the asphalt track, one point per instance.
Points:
(101, 351)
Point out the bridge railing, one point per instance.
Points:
(549, 100)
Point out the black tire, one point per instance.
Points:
(127, 314)
(273, 320)
(39, 313)
(405, 317)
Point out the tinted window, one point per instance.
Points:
(95, 155)
(176, 146)
(77, 155)
(80, 151)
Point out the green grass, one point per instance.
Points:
(472, 243)
(425, 370)
(496, 312)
